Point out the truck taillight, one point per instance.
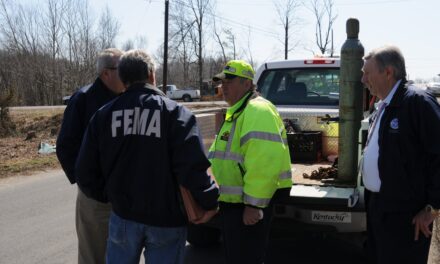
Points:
(320, 61)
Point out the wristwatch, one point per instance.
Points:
(434, 212)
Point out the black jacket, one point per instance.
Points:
(409, 151)
(136, 150)
(81, 107)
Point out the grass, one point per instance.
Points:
(28, 165)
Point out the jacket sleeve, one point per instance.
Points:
(429, 116)
(266, 157)
(88, 173)
(70, 136)
(188, 159)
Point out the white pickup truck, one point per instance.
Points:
(187, 95)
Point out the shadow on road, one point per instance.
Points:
(304, 249)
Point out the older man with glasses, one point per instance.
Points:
(91, 216)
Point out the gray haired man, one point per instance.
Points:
(401, 165)
(91, 216)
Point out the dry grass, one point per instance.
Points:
(20, 155)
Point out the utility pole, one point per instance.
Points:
(286, 40)
(332, 48)
(165, 50)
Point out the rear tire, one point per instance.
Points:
(203, 236)
(186, 98)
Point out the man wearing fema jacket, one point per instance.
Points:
(136, 151)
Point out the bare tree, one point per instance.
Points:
(48, 48)
(248, 49)
(139, 42)
(8, 26)
(232, 42)
(181, 43)
(286, 10)
(21, 39)
(53, 26)
(80, 45)
(128, 45)
(108, 29)
(220, 41)
(325, 17)
(6, 96)
(52, 79)
(87, 41)
(199, 9)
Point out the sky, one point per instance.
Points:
(412, 25)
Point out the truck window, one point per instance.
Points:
(300, 86)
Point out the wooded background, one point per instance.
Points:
(48, 50)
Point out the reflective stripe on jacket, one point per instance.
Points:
(250, 156)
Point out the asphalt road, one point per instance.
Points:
(37, 226)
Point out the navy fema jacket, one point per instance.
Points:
(81, 107)
(409, 151)
(136, 151)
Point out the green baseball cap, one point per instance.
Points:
(235, 68)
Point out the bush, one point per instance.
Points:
(7, 127)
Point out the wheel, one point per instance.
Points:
(203, 236)
(186, 98)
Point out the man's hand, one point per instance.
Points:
(206, 217)
(422, 221)
(252, 215)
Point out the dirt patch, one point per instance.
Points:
(19, 152)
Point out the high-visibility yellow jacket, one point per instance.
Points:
(250, 156)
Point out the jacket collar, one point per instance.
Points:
(150, 88)
(101, 85)
(234, 111)
(398, 96)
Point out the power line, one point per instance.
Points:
(233, 22)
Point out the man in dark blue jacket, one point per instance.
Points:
(91, 216)
(401, 165)
(136, 151)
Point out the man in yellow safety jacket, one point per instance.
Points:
(250, 161)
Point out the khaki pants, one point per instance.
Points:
(92, 229)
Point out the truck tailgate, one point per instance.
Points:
(317, 189)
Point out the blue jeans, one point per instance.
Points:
(164, 245)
